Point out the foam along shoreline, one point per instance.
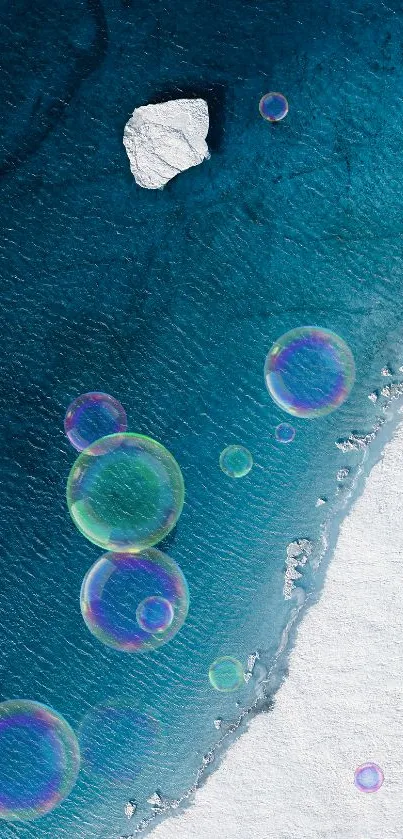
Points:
(291, 773)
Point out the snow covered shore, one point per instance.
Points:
(291, 775)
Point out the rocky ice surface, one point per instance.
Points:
(342, 474)
(298, 553)
(165, 139)
(250, 666)
(130, 809)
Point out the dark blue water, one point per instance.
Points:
(170, 301)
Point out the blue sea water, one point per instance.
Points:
(169, 300)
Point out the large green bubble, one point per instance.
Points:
(125, 492)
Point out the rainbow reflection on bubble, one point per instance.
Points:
(226, 674)
(273, 107)
(116, 741)
(309, 371)
(368, 777)
(125, 492)
(116, 585)
(284, 433)
(236, 461)
(39, 759)
(154, 614)
(92, 416)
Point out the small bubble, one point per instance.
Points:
(92, 416)
(368, 777)
(273, 107)
(236, 461)
(154, 614)
(226, 674)
(284, 433)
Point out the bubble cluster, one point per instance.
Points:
(115, 590)
(125, 492)
(39, 759)
(92, 416)
(226, 674)
(273, 107)
(116, 741)
(368, 777)
(154, 614)
(236, 461)
(309, 371)
(284, 433)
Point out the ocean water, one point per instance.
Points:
(169, 300)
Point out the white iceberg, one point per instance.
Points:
(165, 139)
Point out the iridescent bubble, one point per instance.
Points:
(154, 614)
(117, 584)
(117, 740)
(273, 107)
(284, 433)
(368, 777)
(226, 674)
(125, 492)
(92, 416)
(236, 461)
(309, 371)
(39, 759)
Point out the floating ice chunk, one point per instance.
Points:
(298, 553)
(155, 800)
(250, 664)
(130, 809)
(357, 441)
(163, 140)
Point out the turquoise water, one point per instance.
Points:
(170, 301)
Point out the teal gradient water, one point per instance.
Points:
(170, 301)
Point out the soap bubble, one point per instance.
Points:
(284, 433)
(92, 416)
(125, 492)
(309, 371)
(236, 461)
(39, 759)
(117, 584)
(154, 614)
(368, 777)
(273, 107)
(226, 674)
(116, 741)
